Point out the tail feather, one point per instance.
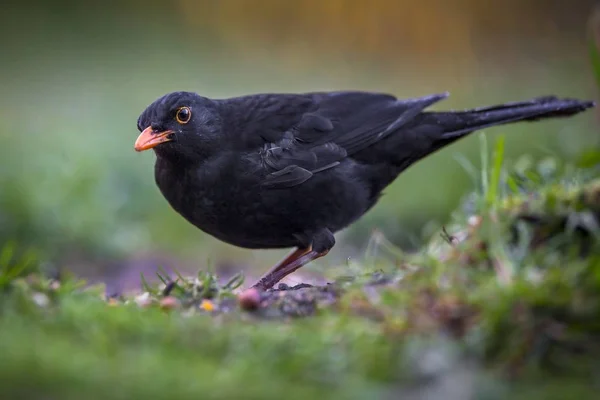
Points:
(457, 124)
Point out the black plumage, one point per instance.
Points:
(290, 170)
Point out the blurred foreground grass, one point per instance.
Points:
(505, 304)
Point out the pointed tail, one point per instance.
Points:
(457, 124)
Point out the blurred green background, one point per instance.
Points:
(74, 76)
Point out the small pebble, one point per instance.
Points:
(143, 300)
(249, 299)
(169, 303)
(41, 299)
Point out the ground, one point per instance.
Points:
(503, 303)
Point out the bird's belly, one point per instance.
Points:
(245, 214)
(236, 217)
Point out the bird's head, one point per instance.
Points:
(179, 125)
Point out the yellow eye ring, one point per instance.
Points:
(184, 114)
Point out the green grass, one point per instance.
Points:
(504, 305)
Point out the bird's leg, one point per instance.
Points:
(322, 243)
(284, 269)
(293, 256)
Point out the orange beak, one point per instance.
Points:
(149, 139)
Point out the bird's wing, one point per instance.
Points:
(357, 120)
(305, 134)
(293, 164)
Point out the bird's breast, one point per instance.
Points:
(224, 203)
(228, 201)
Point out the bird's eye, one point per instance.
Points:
(183, 115)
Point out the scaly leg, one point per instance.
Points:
(294, 261)
(322, 241)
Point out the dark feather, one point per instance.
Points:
(289, 176)
(316, 131)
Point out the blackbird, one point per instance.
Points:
(270, 171)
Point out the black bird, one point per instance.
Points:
(270, 171)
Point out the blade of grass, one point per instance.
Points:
(163, 279)
(6, 256)
(179, 276)
(496, 173)
(145, 285)
(468, 166)
(484, 164)
(235, 282)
